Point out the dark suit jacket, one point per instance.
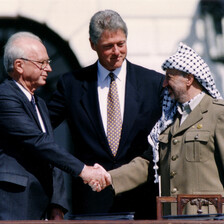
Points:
(28, 181)
(76, 100)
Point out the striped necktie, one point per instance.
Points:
(114, 122)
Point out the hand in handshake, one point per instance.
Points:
(96, 176)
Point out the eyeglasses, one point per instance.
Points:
(43, 63)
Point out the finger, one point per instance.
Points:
(108, 179)
(103, 182)
(96, 165)
(96, 187)
(92, 183)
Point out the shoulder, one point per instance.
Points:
(215, 107)
(86, 73)
(8, 87)
(218, 102)
(144, 73)
(210, 104)
(142, 69)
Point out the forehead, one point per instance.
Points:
(34, 48)
(173, 72)
(108, 35)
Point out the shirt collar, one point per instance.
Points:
(191, 104)
(103, 73)
(24, 90)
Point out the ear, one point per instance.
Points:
(18, 65)
(190, 79)
(93, 46)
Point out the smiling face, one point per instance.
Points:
(111, 49)
(177, 85)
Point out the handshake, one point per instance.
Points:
(96, 176)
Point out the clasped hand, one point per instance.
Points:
(96, 176)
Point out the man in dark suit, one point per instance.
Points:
(30, 186)
(82, 99)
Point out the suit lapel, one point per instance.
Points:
(25, 101)
(90, 104)
(195, 116)
(131, 107)
(44, 115)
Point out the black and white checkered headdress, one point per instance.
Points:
(188, 61)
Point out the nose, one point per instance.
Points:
(116, 49)
(48, 68)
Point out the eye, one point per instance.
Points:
(121, 44)
(109, 46)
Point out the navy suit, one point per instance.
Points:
(29, 183)
(76, 100)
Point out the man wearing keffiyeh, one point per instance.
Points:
(187, 141)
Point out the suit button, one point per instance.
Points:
(173, 173)
(174, 190)
(174, 157)
(175, 141)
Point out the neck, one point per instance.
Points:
(192, 91)
(27, 87)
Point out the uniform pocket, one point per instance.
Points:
(194, 146)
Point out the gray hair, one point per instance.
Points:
(105, 20)
(12, 51)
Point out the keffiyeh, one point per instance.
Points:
(188, 61)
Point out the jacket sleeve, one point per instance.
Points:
(59, 196)
(19, 131)
(130, 175)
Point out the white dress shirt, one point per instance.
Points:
(103, 89)
(29, 96)
(187, 107)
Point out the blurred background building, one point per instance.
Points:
(155, 28)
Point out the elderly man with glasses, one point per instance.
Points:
(30, 183)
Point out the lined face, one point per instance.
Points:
(35, 66)
(176, 84)
(111, 49)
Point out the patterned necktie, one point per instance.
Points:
(114, 123)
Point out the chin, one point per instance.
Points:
(42, 83)
(117, 65)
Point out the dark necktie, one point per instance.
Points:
(33, 103)
(114, 123)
